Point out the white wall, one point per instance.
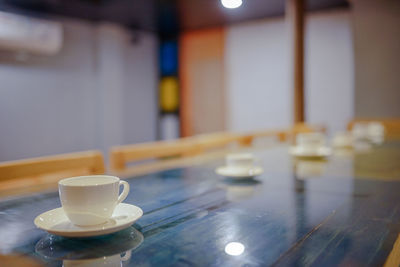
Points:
(377, 58)
(140, 101)
(257, 75)
(329, 69)
(86, 97)
(258, 72)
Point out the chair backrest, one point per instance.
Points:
(307, 128)
(391, 125)
(120, 156)
(206, 142)
(281, 134)
(64, 165)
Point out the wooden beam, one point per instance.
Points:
(295, 13)
(202, 108)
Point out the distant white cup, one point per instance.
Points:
(376, 132)
(91, 200)
(310, 142)
(360, 131)
(375, 128)
(240, 160)
(371, 131)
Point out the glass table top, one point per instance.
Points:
(344, 210)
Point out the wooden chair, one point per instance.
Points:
(392, 125)
(120, 156)
(247, 139)
(34, 171)
(307, 128)
(282, 134)
(218, 140)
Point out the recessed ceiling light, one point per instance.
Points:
(231, 3)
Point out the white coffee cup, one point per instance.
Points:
(310, 142)
(372, 131)
(91, 200)
(240, 160)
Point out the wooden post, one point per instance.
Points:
(295, 14)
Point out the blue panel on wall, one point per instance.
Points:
(169, 58)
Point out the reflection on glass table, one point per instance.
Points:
(108, 250)
(237, 190)
(305, 169)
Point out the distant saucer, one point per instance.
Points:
(56, 222)
(239, 172)
(320, 152)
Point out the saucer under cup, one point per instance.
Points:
(320, 152)
(310, 141)
(239, 173)
(56, 222)
(310, 145)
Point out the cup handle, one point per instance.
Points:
(127, 255)
(124, 193)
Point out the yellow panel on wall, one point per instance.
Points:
(169, 94)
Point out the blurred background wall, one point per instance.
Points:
(257, 74)
(377, 58)
(102, 88)
(257, 66)
(97, 92)
(329, 69)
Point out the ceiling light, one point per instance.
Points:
(231, 3)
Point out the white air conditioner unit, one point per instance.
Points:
(23, 34)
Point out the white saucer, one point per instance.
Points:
(320, 152)
(238, 172)
(56, 222)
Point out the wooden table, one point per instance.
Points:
(343, 211)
